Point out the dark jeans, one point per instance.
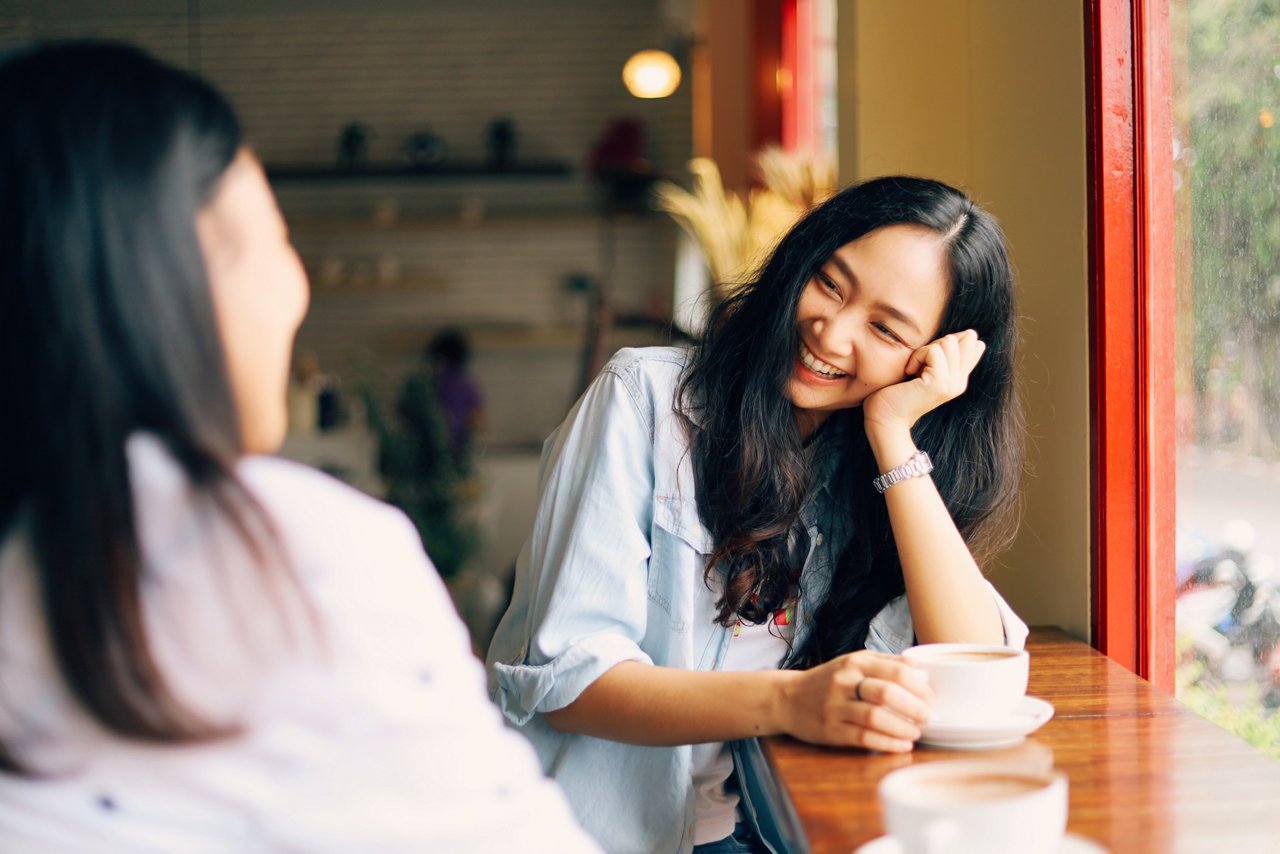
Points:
(743, 841)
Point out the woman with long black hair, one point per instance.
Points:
(737, 539)
(202, 648)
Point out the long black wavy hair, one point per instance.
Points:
(107, 327)
(749, 461)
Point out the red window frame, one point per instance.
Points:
(1132, 308)
(799, 83)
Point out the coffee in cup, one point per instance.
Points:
(967, 807)
(972, 683)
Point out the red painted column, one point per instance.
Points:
(1132, 300)
(800, 74)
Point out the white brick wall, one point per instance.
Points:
(298, 71)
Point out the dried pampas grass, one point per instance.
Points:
(737, 237)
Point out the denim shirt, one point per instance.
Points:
(612, 572)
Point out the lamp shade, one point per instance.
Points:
(651, 74)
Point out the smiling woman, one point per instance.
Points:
(737, 539)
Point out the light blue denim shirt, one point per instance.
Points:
(612, 572)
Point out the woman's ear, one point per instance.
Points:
(221, 244)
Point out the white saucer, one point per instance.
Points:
(1071, 844)
(1029, 715)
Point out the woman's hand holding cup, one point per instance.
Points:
(862, 699)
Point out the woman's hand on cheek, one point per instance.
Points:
(937, 372)
(863, 699)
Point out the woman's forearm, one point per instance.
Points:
(948, 597)
(863, 699)
(642, 704)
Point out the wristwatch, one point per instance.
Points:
(917, 465)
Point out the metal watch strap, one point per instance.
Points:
(917, 465)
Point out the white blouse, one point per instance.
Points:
(753, 647)
(361, 727)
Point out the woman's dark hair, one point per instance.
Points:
(749, 460)
(106, 328)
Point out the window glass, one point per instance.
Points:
(1226, 90)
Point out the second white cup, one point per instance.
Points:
(975, 807)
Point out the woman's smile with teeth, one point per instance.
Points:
(818, 366)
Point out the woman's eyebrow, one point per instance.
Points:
(891, 310)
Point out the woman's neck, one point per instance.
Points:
(810, 422)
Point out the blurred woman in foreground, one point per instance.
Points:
(199, 647)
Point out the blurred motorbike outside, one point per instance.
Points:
(1228, 607)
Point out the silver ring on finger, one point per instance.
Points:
(857, 689)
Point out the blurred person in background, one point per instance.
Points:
(461, 403)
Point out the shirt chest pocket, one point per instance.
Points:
(680, 548)
(678, 516)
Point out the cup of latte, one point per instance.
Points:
(972, 683)
(975, 807)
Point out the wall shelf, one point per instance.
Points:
(496, 340)
(315, 226)
(278, 174)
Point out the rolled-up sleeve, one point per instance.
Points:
(892, 631)
(527, 688)
(580, 604)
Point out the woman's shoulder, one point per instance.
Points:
(650, 374)
(307, 508)
(666, 363)
(352, 551)
(296, 495)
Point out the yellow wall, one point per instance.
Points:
(989, 95)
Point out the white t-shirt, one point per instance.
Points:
(752, 647)
(376, 737)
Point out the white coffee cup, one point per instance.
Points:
(975, 807)
(972, 683)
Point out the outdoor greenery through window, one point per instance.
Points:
(1226, 102)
